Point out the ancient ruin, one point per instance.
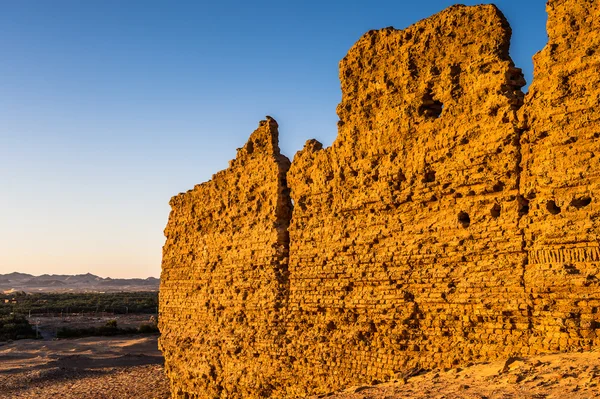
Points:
(453, 220)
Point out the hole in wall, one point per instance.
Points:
(331, 326)
(464, 219)
(571, 140)
(581, 202)
(429, 176)
(552, 207)
(523, 205)
(302, 203)
(401, 177)
(495, 211)
(430, 108)
(250, 147)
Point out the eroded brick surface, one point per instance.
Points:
(405, 249)
(561, 179)
(224, 276)
(452, 220)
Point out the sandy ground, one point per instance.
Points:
(85, 368)
(130, 367)
(564, 376)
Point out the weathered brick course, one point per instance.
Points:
(405, 247)
(453, 220)
(224, 276)
(561, 180)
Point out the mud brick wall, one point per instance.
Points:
(224, 276)
(453, 220)
(561, 180)
(405, 249)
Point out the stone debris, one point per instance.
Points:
(570, 375)
(453, 221)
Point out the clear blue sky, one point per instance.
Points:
(109, 107)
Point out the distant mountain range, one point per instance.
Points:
(74, 283)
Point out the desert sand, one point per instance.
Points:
(131, 367)
(94, 368)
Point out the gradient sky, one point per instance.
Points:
(110, 107)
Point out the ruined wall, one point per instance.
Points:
(561, 178)
(405, 248)
(224, 276)
(452, 220)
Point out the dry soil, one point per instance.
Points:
(86, 368)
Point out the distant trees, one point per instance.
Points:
(15, 326)
(118, 302)
(15, 307)
(109, 329)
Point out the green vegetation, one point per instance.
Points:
(109, 329)
(15, 327)
(55, 303)
(14, 307)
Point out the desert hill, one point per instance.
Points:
(74, 283)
